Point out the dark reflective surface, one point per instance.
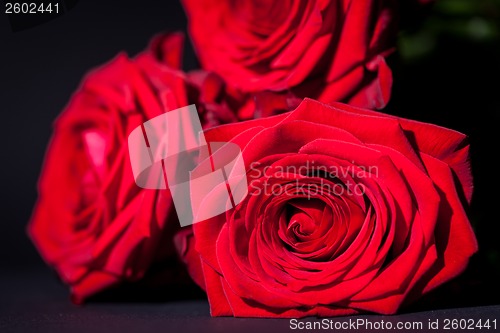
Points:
(33, 301)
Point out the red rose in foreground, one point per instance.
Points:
(348, 211)
(328, 50)
(92, 222)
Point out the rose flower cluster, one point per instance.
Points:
(349, 210)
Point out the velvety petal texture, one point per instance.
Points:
(348, 211)
(330, 50)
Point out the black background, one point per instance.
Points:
(39, 70)
(456, 87)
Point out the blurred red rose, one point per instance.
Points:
(328, 50)
(92, 223)
(348, 211)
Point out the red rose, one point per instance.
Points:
(348, 211)
(328, 50)
(92, 222)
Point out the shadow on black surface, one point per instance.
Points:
(33, 301)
